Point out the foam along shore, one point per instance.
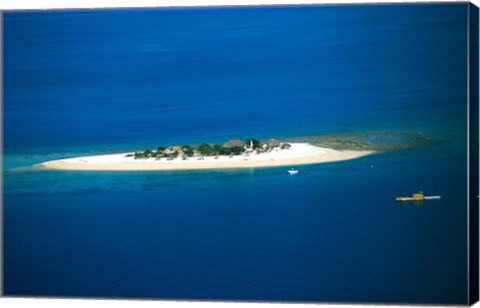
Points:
(297, 154)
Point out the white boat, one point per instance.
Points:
(292, 171)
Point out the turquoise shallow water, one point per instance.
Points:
(83, 83)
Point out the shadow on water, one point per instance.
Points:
(370, 141)
(17, 170)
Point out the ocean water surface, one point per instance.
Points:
(92, 82)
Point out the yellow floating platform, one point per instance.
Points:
(415, 197)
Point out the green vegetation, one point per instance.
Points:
(205, 149)
(218, 149)
(139, 155)
(231, 147)
(188, 150)
(256, 144)
(235, 151)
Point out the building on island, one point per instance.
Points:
(177, 149)
(273, 143)
(233, 143)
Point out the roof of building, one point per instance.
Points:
(273, 143)
(233, 143)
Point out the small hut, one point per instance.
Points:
(273, 143)
(177, 149)
(233, 143)
(168, 151)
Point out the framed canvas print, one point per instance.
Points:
(266, 153)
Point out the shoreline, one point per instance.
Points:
(298, 154)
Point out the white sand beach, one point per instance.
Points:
(298, 154)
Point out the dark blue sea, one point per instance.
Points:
(110, 81)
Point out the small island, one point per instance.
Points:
(235, 153)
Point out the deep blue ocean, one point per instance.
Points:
(104, 81)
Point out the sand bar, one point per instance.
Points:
(298, 154)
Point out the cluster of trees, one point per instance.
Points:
(217, 149)
(203, 149)
(254, 142)
(160, 153)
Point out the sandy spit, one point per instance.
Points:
(298, 154)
